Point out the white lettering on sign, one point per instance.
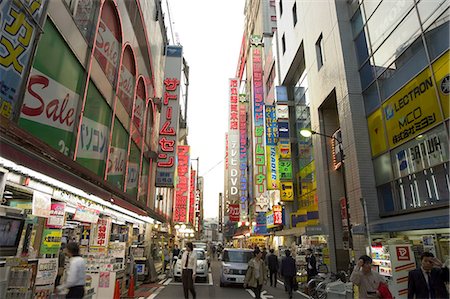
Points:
(93, 140)
(49, 103)
(116, 164)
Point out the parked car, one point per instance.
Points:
(202, 265)
(204, 246)
(234, 265)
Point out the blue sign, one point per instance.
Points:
(271, 125)
(283, 129)
(281, 92)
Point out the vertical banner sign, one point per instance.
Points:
(233, 146)
(127, 80)
(182, 187)
(233, 212)
(192, 197)
(118, 155)
(17, 38)
(109, 42)
(41, 204)
(226, 173)
(243, 155)
(287, 191)
(258, 119)
(168, 129)
(137, 128)
(402, 261)
(100, 232)
(273, 181)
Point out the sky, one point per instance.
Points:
(211, 35)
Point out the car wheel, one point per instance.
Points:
(222, 284)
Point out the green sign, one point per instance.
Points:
(133, 169)
(118, 155)
(52, 96)
(51, 241)
(94, 133)
(285, 169)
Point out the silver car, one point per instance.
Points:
(202, 265)
(234, 265)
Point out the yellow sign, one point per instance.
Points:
(273, 177)
(376, 133)
(441, 73)
(287, 191)
(412, 110)
(285, 150)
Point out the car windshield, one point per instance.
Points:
(237, 256)
(200, 245)
(200, 254)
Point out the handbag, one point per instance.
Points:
(295, 283)
(384, 291)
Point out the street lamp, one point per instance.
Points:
(307, 134)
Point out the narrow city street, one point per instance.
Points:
(167, 288)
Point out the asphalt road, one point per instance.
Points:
(169, 289)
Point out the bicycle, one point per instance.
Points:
(318, 285)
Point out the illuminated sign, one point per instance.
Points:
(287, 191)
(182, 189)
(243, 155)
(169, 118)
(192, 197)
(233, 144)
(259, 181)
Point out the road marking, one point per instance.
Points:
(264, 294)
(301, 293)
(156, 293)
(210, 279)
(167, 281)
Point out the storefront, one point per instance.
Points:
(39, 213)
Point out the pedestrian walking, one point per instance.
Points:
(264, 253)
(256, 274)
(76, 275)
(429, 280)
(272, 263)
(366, 279)
(288, 271)
(311, 264)
(189, 264)
(61, 264)
(166, 257)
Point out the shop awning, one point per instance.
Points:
(295, 231)
(432, 219)
(36, 155)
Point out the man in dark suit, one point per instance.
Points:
(311, 264)
(288, 271)
(272, 262)
(428, 281)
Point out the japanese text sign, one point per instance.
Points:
(169, 118)
(100, 232)
(233, 212)
(182, 189)
(243, 154)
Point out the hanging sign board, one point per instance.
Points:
(41, 204)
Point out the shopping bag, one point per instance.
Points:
(295, 284)
(384, 291)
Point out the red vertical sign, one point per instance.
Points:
(192, 198)
(182, 188)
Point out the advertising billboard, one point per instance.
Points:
(182, 189)
(169, 118)
(243, 187)
(127, 80)
(17, 39)
(233, 143)
(52, 95)
(259, 180)
(192, 196)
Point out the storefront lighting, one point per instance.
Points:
(133, 217)
(253, 223)
(183, 226)
(239, 224)
(247, 223)
(156, 226)
(177, 226)
(191, 235)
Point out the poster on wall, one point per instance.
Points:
(100, 232)
(94, 135)
(57, 215)
(104, 279)
(85, 214)
(17, 43)
(118, 155)
(51, 241)
(127, 81)
(41, 204)
(46, 271)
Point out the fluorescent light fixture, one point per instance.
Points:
(133, 217)
(306, 133)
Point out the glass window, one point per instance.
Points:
(386, 198)
(371, 99)
(400, 39)
(362, 51)
(385, 18)
(407, 65)
(383, 169)
(283, 43)
(437, 36)
(294, 13)
(236, 256)
(370, 6)
(366, 74)
(430, 10)
(319, 52)
(357, 23)
(84, 13)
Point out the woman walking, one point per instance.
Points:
(256, 274)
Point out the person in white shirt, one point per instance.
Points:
(189, 265)
(76, 275)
